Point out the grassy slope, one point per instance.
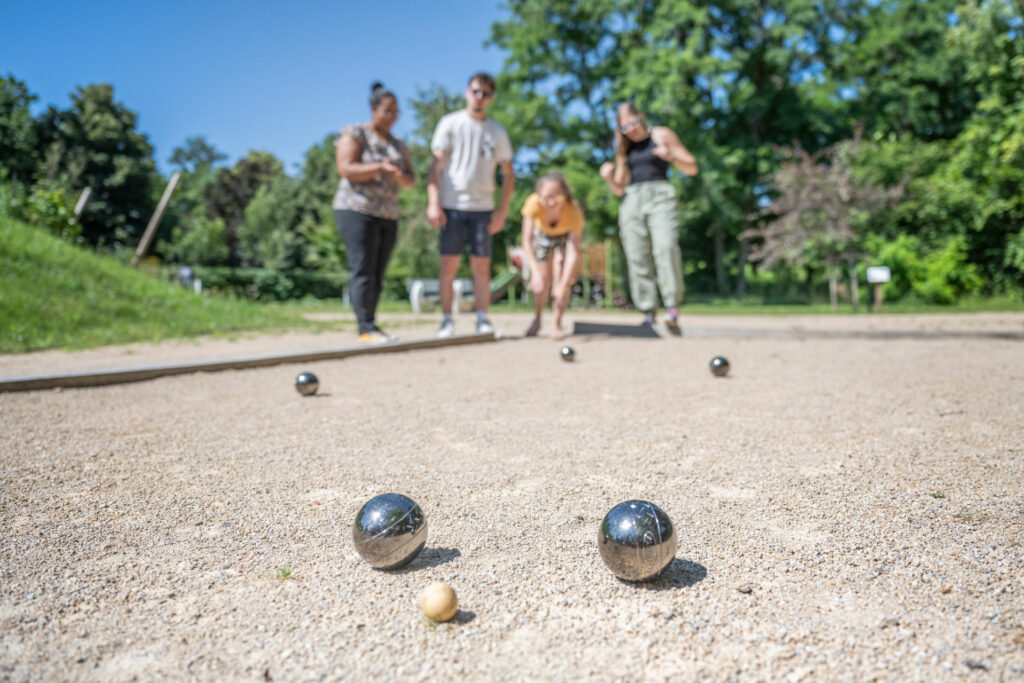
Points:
(53, 294)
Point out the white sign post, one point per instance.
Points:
(878, 276)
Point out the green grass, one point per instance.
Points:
(55, 295)
(968, 515)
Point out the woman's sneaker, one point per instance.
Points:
(483, 326)
(446, 330)
(374, 337)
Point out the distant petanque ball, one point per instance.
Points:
(719, 366)
(637, 540)
(390, 531)
(306, 383)
(568, 353)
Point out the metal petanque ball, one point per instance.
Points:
(719, 366)
(306, 383)
(637, 540)
(568, 353)
(390, 531)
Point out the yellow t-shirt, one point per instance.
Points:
(571, 219)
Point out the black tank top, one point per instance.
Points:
(643, 165)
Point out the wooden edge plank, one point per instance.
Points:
(122, 376)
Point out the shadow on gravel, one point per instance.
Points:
(644, 331)
(678, 574)
(431, 557)
(462, 617)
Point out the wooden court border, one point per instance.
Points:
(123, 376)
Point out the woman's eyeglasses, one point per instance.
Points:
(630, 125)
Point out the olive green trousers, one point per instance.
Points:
(649, 230)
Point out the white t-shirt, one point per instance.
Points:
(475, 150)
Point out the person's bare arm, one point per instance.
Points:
(668, 147)
(435, 214)
(404, 175)
(536, 284)
(573, 248)
(622, 172)
(607, 172)
(346, 156)
(508, 184)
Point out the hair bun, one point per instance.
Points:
(377, 85)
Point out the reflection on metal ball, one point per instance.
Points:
(390, 531)
(568, 353)
(306, 383)
(719, 366)
(637, 540)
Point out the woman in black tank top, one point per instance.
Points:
(642, 162)
(649, 215)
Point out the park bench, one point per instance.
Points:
(424, 293)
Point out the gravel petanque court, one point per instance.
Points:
(847, 509)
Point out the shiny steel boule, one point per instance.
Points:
(568, 353)
(719, 366)
(306, 383)
(390, 531)
(637, 540)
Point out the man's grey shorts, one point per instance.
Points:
(466, 226)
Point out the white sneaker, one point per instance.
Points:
(484, 327)
(447, 330)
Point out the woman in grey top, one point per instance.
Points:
(373, 165)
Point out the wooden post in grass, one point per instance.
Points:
(80, 204)
(147, 236)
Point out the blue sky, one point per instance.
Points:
(246, 75)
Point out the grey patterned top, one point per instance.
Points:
(377, 197)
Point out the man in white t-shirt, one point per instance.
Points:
(468, 147)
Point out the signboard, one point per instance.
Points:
(879, 274)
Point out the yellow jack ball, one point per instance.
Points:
(438, 602)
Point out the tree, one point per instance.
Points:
(820, 213)
(18, 151)
(194, 237)
(197, 240)
(95, 144)
(196, 156)
(903, 73)
(322, 245)
(988, 159)
(268, 237)
(966, 188)
(735, 79)
(233, 189)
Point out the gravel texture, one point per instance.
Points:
(847, 508)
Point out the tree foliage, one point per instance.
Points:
(767, 94)
(18, 144)
(95, 143)
(821, 211)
